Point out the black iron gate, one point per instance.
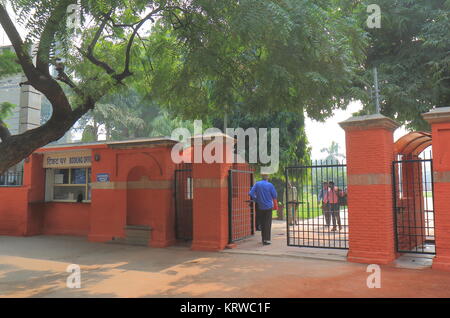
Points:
(241, 214)
(414, 206)
(316, 205)
(184, 196)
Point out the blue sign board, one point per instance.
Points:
(102, 177)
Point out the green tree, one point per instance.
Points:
(199, 57)
(293, 142)
(333, 154)
(127, 114)
(8, 63)
(269, 56)
(5, 111)
(411, 53)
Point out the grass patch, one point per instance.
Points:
(303, 212)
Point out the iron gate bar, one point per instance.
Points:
(286, 178)
(309, 226)
(432, 198)
(183, 203)
(235, 214)
(230, 207)
(407, 242)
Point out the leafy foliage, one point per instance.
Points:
(7, 66)
(332, 152)
(196, 58)
(293, 142)
(8, 63)
(261, 56)
(6, 110)
(127, 114)
(411, 52)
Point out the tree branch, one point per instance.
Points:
(179, 22)
(63, 77)
(126, 71)
(90, 51)
(20, 48)
(45, 84)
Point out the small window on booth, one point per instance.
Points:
(69, 185)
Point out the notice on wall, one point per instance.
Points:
(73, 159)
(102, 177)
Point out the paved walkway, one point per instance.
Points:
(279, 246)
(36, 267)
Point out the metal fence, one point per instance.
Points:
(414, 206)
(316, 205)
(241, 214)
(11, 179)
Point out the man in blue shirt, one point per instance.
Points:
(264, 194)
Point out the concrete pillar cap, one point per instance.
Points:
(437, 115)
(369, 122)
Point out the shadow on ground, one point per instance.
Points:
(37, 267)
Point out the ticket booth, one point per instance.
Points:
(104, 191)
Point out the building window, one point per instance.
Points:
(69, 185)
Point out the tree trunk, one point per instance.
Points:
(15, 148)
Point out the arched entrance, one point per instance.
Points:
(138, 198)
(413, 194)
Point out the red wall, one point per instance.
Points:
(34, 179)
(66, 219)
(210, 206)
(13, 211)
(140, 189)
(139, 206)
(108, 215)
(139, 193)
(441, 168)
(370, 152)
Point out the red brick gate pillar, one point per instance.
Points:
(439, 119)
(210, 204)
(370, 152)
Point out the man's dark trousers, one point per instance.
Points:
(259, 219)
(266, 222)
